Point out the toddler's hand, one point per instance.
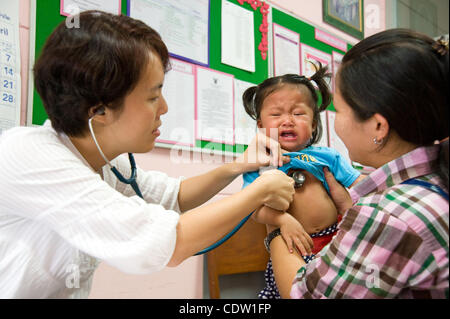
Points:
(294, 234)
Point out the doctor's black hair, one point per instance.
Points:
(253, 98)
(95, 65)
(404, 76)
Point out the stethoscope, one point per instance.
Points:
(133, 183)
(132, 179)
(298, 177)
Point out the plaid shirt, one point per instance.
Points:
(393, 243)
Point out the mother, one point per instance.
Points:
(391, 107)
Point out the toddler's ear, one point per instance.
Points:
(259, 124)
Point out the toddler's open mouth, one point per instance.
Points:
(288, 135)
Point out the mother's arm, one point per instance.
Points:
(285, 264)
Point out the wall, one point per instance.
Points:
(311, 11)
(427, 16)
(24, 36)
(184, 281)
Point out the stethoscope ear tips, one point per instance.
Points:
(100, 111)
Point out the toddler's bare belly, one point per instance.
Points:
(312, 206)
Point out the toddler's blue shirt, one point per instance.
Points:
(313, 159)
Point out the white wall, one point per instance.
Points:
(311, 11)
(427, 16)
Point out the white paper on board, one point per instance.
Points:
(215, 106)
(183, 25)
(245, 126)
(72, 7)
(310, 61)
(286, 45)
(238, 37)
(179, 93)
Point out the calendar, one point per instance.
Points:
(9, 65)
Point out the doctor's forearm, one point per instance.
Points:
(205, 225)
(197, 190)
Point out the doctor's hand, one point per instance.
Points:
(277, 189)
(262, 151)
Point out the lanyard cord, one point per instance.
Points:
(427, 185)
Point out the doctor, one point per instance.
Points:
(63, 210)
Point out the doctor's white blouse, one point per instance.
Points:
(59, 218)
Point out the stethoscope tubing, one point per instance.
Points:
(132, 180)
(133, 183)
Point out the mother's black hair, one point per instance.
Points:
(399, 74)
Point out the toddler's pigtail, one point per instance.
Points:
(248, 98)
(320, 78)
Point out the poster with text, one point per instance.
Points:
(215, 106)
(183, 25)
(286, 46)
(179, 92)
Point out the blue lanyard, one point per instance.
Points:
(429, 186)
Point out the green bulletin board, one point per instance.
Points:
(48, 17)
(261, 66)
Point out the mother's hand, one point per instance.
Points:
(262, 151)
(339, 194)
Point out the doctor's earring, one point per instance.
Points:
(377, 142)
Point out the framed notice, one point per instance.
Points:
(345, 15)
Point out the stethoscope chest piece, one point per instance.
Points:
(299, 178)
